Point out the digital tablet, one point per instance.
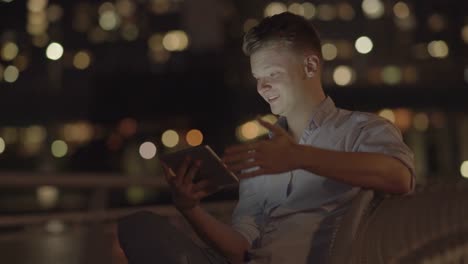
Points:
(212, 167)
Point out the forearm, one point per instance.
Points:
(369, 170)
(217, 234)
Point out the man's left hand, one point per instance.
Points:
(271, 156)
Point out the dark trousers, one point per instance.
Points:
(148, 238)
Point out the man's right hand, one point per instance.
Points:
(186, 194)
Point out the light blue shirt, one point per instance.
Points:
(281, 215)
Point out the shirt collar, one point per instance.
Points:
(322, 112)
(319, 115)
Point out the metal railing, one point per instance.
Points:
(97, 211)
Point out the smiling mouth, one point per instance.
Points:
(271, 99)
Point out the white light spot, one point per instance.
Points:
(464, 169)
(54, 51)
(148, 150)
(363, 45)
(373, 9)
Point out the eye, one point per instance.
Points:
(273, 74)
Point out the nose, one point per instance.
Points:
(262, 85)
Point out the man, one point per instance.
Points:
(295, 184)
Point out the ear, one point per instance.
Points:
(311, 64)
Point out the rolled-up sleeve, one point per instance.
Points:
(248, 213)
(378, 135)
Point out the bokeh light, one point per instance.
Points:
(47, 196)
(343, 75)
(155, 42)
(387, 114)
(128, 127)
(34, 135)
(345, 49)
(109, 20)
(170, 138)
(407, 23)
(309, 10)
(464, 169)
(410, 74)
(421, 121)
(345, 11)
(438, 49)
(82, 60)
(2, 145)
(148, 150)
(21, 62)
(10, 135)
(59, 148)
(130, 32)
(54, 51)
(10, 74)
(373, 9)
(160, 6)
(194, 137)
(363, 45)
(135, 194)
(250, 130)
(464, 33)
(9, 51)
(175, 40)
(436, 22)
(329, 51)
(125, 8)
(272, 119)
(78, 132)
(401, 10)
(391, 75)
(36, 5)
(296, 8)
(55, 226)
(105, 7)
(274, 8)
(403, 118)
(326, 12)
(54, 13)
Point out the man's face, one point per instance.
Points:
(280, 77)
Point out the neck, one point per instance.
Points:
(299, 118)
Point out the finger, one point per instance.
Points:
(202, 185)
(205, 187)
(277, 130)
(183, 170)
(241, 148)
(191, 172)
(201, 194)
(168, 173)
(244, 166)
(232, 158)
(251, 174)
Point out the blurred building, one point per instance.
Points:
(106, 86)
